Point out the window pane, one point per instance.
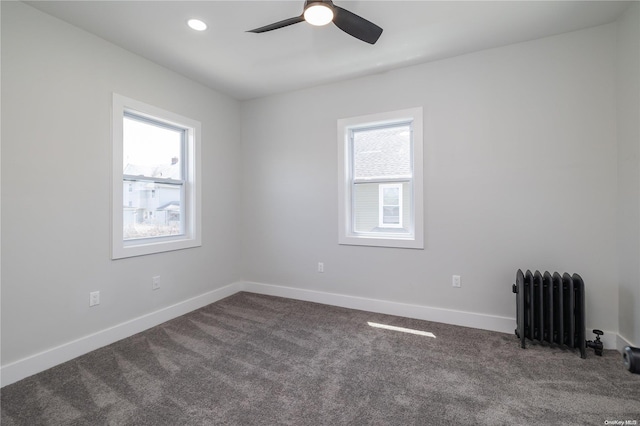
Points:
(151, 150)
(391, 215)
(151, 210)
(382, 152)
(366, 210)
(391, 196)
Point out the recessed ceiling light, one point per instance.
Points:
(197, 24)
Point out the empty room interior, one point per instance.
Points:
(332, 229)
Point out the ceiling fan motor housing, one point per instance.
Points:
(308, 3)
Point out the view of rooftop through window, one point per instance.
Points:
(382, 152)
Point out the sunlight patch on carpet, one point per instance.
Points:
(402, 329)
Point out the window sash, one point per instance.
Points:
(373, 127)
(399, 179)
(154, 194)
(133, 178)
(159, 123)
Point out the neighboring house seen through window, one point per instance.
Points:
(381, 179)
(155, 201)
(390, 201)
(152, 151)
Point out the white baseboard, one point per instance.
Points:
(447, 316)
(610, 339)
(33, 364)
(621, 343)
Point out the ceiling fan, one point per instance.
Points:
(321, 12)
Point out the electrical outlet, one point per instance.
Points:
(155, 283)
(455, 281)
(94, 298)
(320, 267)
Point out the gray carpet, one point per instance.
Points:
(260, 360)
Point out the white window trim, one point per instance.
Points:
(381, 205)
(192, 226)
(415, 238)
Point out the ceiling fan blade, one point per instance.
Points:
(277, 25)
(356, 26)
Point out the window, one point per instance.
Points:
(381, 179)
(156, 189)
(390, 201)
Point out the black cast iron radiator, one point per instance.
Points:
(550, 309)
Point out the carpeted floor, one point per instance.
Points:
(260, 360)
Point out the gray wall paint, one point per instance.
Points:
(520, 172)
(56, 175)
(628, 113)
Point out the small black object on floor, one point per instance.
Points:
(631, 357)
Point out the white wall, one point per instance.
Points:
(628, 113)
(521, 172)
(57, 83)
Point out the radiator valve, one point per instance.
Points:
(596, 344)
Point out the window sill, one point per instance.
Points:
(122, 251)
(381, 241)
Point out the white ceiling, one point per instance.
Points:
(245, 65)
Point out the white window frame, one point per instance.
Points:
(191, 237)
(414, 238)
(381, 205)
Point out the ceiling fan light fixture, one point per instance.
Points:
(318, 14)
